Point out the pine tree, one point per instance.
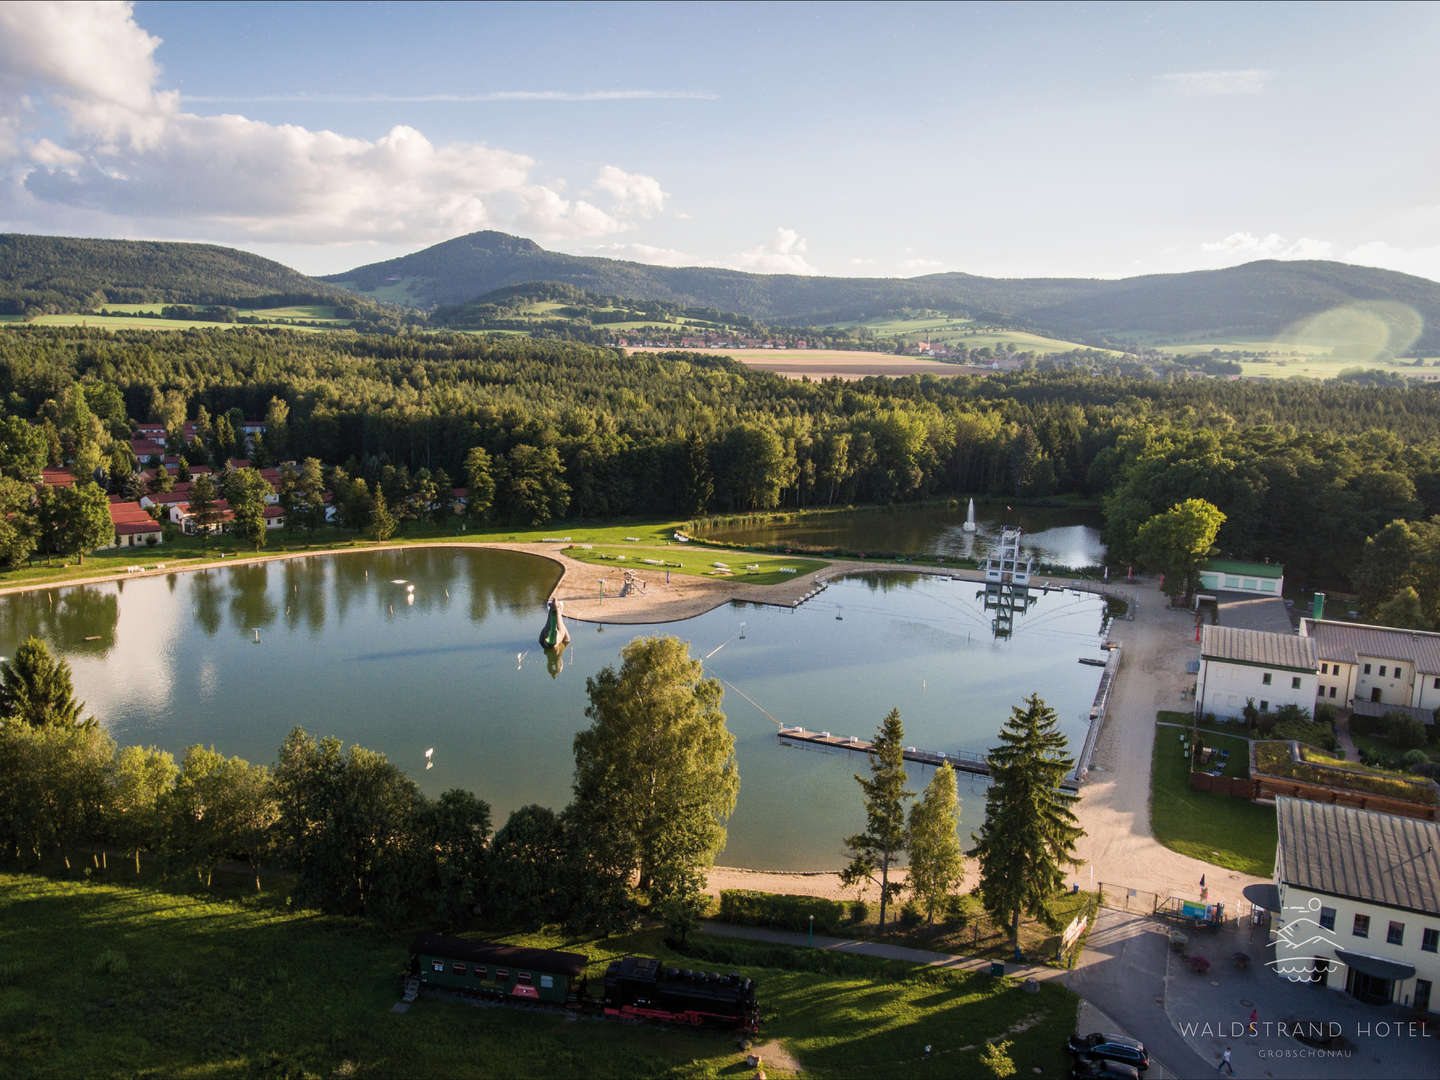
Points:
(937, 861)
(874, 851)
(382, 521)
(1029, 834)
(35, 688)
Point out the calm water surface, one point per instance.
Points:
(171, 661)
(1061, 537)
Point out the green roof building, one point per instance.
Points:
(1229, 575)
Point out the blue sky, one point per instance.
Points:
(894, 139)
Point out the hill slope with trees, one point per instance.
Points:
(1259, 299)
(60, 274)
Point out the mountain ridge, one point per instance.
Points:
(1260, 299)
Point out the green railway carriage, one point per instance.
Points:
(487, 969)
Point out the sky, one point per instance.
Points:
(895, 139)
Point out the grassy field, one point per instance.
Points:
(101, 980)
(1219, 829)
(701, 562)
(1301, 359)
(838, 363)
(608, 537)
(957, 331)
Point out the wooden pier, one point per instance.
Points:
(962, 761)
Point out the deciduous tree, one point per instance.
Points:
(937, 860)
(655, 773)
(1178, 541)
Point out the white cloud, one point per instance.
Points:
(1246, 247)
(783, 253)
(631, 193)
(1219, 83)
(920, 265)
(131, 161)
(1422, 261)
(649, 253)
(445, 99)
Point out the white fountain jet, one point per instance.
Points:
(969, 525)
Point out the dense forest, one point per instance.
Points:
(1259, 299)
(55, 274)
(1305, 472)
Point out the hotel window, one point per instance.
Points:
(1437, 683)
(1382, 671)
(1332, 691)
(1367, 669)
(1264, 705)
(1430, 940)
(1324, 669)
(1327, 918)
(1362, 926)
(1265, 679)
(1295, 683)
(1395, 935)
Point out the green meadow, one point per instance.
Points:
(106, 980)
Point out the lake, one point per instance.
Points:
(347, 647)
(1059, 536)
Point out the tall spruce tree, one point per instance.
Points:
(874, 851)
(1029, 834)
(35, 688)
(937, 861)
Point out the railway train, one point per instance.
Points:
(635, 987)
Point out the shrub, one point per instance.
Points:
(1404, 730)
(750, 908)
(1210, 719)
(110, 962)
(859, 911)
(910, 916)
(1415, 757)
(956, 911)
(1306, 731)
(997, 1061)
(1250, 712)
(1326, 714)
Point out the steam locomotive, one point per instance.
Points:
(635, 987)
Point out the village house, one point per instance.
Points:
(1357, 902)
(134, 527)
(1379, 665)
(1239, 666)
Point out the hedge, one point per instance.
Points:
(747, 907)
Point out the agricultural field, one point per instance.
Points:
(1290, 360)
(103, 980)
(127, 322)
(953, 330)
(838, 363)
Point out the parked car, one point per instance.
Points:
(1099, 1046)
(1098, 1069)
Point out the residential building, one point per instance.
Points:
(1265, 579)
(1239, 666)
(134, 527)
(1358, 901)
(1379, 664)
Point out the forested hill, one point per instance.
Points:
(56, 274)
(1257, 300)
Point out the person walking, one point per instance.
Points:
(1225, 1063)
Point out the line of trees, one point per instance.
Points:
(655, 783)
(1023, 848)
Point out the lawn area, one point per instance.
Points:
(977, 934)
(702, 562)
(1219, 829)
(103, 980)
(1314, 767)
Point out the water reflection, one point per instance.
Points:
(503, 723)
(251, 606)
(80, 619)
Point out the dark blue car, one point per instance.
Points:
(1099, 1046)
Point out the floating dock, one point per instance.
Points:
(962, 761)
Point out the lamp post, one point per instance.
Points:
(812, 932)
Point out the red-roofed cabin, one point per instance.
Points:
(221, 519)
(134, 527)
(57, 477)
(274, 517)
